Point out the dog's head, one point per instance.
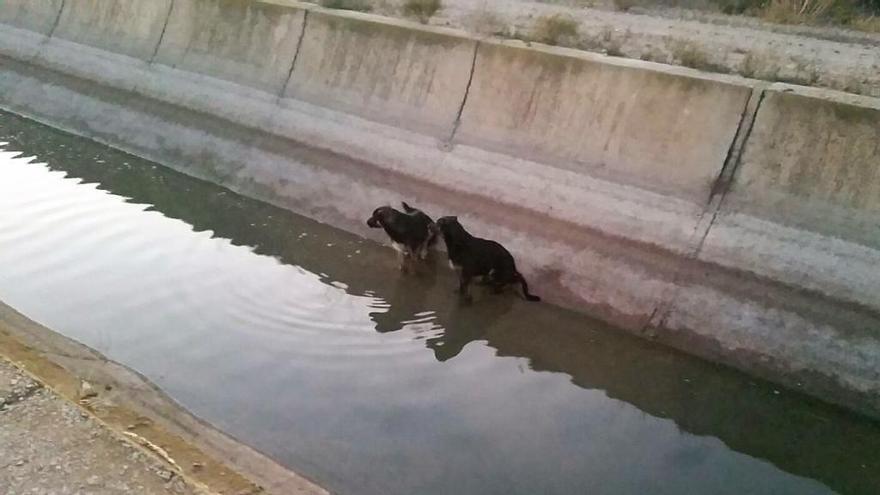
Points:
(381, 216)
(450, 228)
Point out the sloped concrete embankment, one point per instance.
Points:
(726, 217)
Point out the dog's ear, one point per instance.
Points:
(407, 208)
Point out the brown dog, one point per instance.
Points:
(412, 232)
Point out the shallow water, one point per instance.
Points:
(306, 343)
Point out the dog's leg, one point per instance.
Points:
(403, 252)
(489, 279)
(401, 262)
(464, 283)
(419, 251)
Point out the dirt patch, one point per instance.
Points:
(59, 448)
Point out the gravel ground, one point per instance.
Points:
(813, 56)
(49, 446)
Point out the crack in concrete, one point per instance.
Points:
(57, 21)
(50, 34)
(299, 43)
(467, 92)
(162, 34)
(720, 187)
(731, 163)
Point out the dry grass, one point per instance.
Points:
(606, 41)
(358, 5)
(757, 66)
(802, 73)
(615, 48)
(624, 5)
(654, 55)
(867, 24)
(861, 15)
(423, 10)
(807, 73)
(751, 66)
(555, 30)
(688, 54)
(855, 86)
(796, 11)
(614, 43)
(847, 13)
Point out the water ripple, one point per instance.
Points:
(54, 224)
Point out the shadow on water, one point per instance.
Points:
(797, 434)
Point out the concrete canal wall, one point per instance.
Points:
(733, 219)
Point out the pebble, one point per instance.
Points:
(87, 390)
(93, 480)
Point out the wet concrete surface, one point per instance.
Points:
(306, 343)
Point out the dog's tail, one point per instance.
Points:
(525, 288)
(433, 230)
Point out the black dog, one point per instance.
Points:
(412, 232)
(477, 257)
